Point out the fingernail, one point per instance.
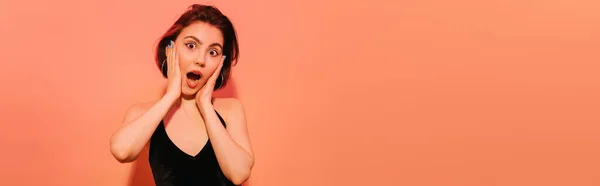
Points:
(172, 42)
(224, 57)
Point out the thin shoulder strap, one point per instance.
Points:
(221, 118)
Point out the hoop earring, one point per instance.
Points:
(162, 67)
(221, 83)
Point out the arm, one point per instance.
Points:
(138, 125)
(232, 145)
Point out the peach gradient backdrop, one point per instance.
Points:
(419, 93)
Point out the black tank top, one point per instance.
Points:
(173, 167)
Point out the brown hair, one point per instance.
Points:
(214, 17)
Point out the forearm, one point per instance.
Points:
(235, 161)
(129, 140)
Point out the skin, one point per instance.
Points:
(189, 112)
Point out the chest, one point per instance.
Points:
(185, 133)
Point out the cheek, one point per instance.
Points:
(208, 71)
(184, 60)
(212, 68)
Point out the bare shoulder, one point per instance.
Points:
(136, 110)
(229, 107)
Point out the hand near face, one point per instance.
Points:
(173, 72)
(204, 95)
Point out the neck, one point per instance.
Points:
(187, 103)
(187, 100)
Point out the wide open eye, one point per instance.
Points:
(213, 52)
(190, 45)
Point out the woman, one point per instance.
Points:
(193, 139)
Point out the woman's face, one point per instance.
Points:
(200, 49)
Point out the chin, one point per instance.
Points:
(186, 91)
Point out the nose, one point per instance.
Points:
(200, 60)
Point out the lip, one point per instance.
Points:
(193, 84)
(196, 72)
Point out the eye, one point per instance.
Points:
(190, 45)
(213, 52)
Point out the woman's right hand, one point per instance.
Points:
(173, 72)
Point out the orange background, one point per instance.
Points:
(419, 93)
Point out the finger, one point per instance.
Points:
(220, 66)
(174, 57)
(170, 56)
(176, 63)
(167, 51)
(173, 51)
(215, 74)
(167, 58)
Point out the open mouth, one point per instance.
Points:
(193, 76)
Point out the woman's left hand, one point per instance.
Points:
(204, 95)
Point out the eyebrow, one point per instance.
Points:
(198, 40)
